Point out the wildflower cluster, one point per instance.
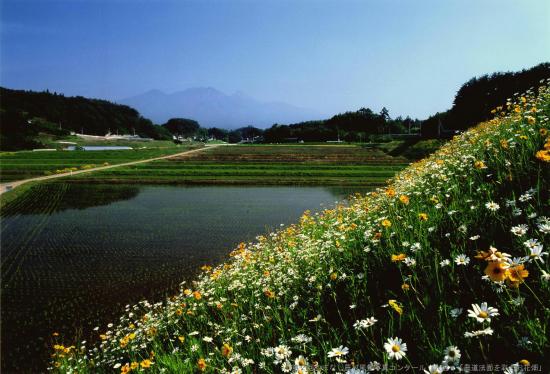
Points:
(385, 279)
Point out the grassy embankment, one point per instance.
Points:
(412, 264)
(264, 164)
(28, 164)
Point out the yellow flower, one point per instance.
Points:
(543, 155)
(390, 192)
(504, 144)
(145, 363)
(405, 287)
(333, 276)
(423, 216)
(134, 365)
(399, 257)
(497, 271)
(543, 131)
(395, 306)
(517, 274)
(187, 292)
(181, 339)
(530, 120)
(201, 364)
(226, 350)
(479, 165)
(386, 223)
(270, 294)
(125, 369)
(404, 199)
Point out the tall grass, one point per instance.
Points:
(444, 269)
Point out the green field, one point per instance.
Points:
(28, 164)
(263, 164)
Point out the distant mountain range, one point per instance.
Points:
(212, 108)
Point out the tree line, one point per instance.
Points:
(25, 114)
(56, 114)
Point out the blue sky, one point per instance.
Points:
(332, 56)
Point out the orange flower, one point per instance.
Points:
(270, 294)
(497, 271)
(543, 155)
(145, 363)
(517, 274)
(201, 364)
(197, 295)
(125, 369)
(226, 350)
(390, 192)
(479, 165)
(399, 257)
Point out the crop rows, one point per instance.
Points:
(263, 164)
(22, 165)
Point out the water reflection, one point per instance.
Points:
(74, 255)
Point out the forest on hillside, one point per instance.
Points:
(25, 114)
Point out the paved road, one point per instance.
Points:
(11, 185)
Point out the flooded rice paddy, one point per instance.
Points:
(73, 255)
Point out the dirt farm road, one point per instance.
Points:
(4, 187)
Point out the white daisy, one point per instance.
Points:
(513, 369)
(452, 353)
(537, 253)
(519, 230)
(282, 352)
(396, 348)
(544, 228)
(434, 369)
(374, 366)
(364, 323)
(286, 367)
(492, 206)
(410, 262)
(338, 352)
(487, 331)
(462, 259)
(455, 312)
(482, 312)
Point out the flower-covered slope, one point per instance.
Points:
(447, 268)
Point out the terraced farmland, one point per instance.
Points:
(23, 165)
(264, 164)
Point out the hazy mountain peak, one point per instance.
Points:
(213, 108)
